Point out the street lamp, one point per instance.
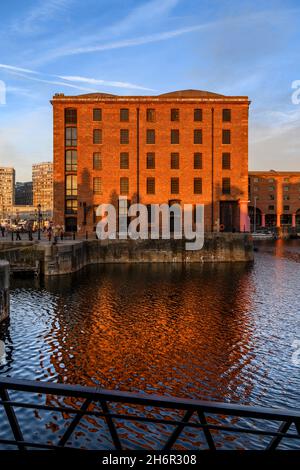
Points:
(39, 221)
(254, 221)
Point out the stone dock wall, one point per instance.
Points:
(4, 290)
(71, 256)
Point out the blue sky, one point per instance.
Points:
(149, 47)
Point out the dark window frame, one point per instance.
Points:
(175, 137)
(150, 185)
(97, 140)
(150, 136)
(97, 114)
(124, 160)
(124, 136)
(175, 160)
(198, 136)
(150, 160)
(124, 114)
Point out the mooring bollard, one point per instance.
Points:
(4, 290)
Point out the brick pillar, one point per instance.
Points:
(293, 220)
(278, 215)
(244, 218)
(263, 220)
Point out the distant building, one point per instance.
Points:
(23, 194)
(184, 147)
(7, 191)
(274, 198)
(42, 181)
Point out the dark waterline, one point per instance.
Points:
(222, 332)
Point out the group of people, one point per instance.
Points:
(49, 231)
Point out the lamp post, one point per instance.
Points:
(254, 221)
(39, 221)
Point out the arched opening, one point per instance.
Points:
(258, 217)
(271, 220)
(286, 220)
(298, 218)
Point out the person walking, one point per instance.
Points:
(3, 230)
(50, 233)
(18, 236)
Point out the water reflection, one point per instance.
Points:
(221, 332)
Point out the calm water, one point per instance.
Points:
(221, 332)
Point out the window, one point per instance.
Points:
(271, 188)
(197, 136)
(255, 188)
(150, 163)
(97, 114)
(124, 160)
(97, 136)
(174, 136)
(197, 114)
(97, 161)
(286, 188)
(174, 114)
(175, 161)
(71, 185)
(271, 180)
(226, 185)
(286, 197)
(286, 180)
(124, 114)
(198, 161)
(174, 185)
(226, 136)
(272, 197)
(150, 185)
(197, 185)
(286, 208)
(71, 160)
(97, 185)
(226, 157)
(150, 136)
(256, 180)
(124, 136)
(70, 116)
(150, 115)
(71, 206)
(271, 208)
(226, 115)
(71, 136)
(124, 185)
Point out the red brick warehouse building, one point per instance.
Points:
(186, 147)
(274, 199)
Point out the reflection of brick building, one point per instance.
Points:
(42, 180)
(186, 146)
(275, 197)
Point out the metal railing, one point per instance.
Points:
(115, 409)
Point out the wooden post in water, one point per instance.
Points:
(4, 290)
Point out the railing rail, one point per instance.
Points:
(209, 418)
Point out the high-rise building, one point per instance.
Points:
(42, 184)
(23, 194)
(7, 191)
(183, 147)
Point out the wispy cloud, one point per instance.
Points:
(34, 19)
(94, 81)
(123, 43)
(13, 68)
(33, 75)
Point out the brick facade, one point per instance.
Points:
(275, 197)
(213, 123)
